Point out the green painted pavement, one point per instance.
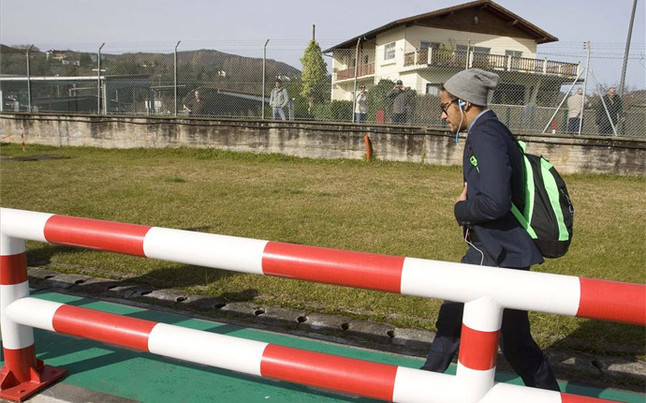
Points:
(149, 378)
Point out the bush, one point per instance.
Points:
(338, 111)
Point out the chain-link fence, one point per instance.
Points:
(553, 92)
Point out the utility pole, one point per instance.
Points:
(356, 71)
(29, 79)
(623, 69)
(586, 45)
(98, 80)
(175, 74)
(264, 78)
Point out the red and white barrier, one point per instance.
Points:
(485, 292)
(23, 374)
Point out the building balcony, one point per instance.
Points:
(454, 58)
(363, 70)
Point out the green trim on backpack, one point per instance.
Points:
(530, 194)
(553, 193)
(523, 221)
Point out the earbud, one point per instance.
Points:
(461, 104)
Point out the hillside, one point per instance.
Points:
(204, 67)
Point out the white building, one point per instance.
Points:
(425, 50)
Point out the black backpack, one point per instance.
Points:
(548, 215)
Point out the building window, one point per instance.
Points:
(429, 45)
(366, 58)
(481, 57)
(433, 89)
(509, 94)
(513, 53)
(389, 51)
(481, 50)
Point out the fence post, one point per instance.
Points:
(264, 78)
(22, 374)
(175, 75)
(98, 80)
(29, 79)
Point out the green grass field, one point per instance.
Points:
(392, 208)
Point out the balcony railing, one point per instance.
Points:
(362, 70)
(458, 58)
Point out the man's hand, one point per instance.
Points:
(463, 195)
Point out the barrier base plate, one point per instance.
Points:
(40, 377)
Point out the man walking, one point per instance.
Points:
(492, 166)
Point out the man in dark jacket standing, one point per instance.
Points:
(610, 111)
(399, 95)
(493, 179)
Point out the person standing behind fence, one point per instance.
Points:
(361, 105)
(399, 95)
(615, 111)
(492, 166)
(279, 99)
(575, 104)
(193, 105)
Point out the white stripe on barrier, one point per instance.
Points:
(23, 224)
(414, 385)
(33, 312)
(15, 336)
(483, 314)
(11, 245)
(507, 393)
(207, 348)
(210, 250)
(473, 383)
(517, 289)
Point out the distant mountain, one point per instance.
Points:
(196, 68)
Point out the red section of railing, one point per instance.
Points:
(331, 372)
(96, 234)
(333, 266)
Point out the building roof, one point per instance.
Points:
(463, 18)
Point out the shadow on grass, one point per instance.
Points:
(606, 338)
(605, 347)
(42, 255)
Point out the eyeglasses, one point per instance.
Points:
(445, 105)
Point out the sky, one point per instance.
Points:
(242, 27)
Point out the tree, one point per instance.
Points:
(314, 77)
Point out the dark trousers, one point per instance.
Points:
(573, 125)
(516, 343)
(399, 118)
(605, 128)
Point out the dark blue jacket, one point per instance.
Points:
(492, 184)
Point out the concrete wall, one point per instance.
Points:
(309, 139)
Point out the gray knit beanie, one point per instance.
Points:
(472, 85)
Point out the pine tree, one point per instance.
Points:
(315, 86)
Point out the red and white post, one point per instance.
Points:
(22, 374)
(481, 321)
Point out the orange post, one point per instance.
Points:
(366, 138)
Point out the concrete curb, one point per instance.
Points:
(615, 372)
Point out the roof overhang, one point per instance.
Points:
(442, 19)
